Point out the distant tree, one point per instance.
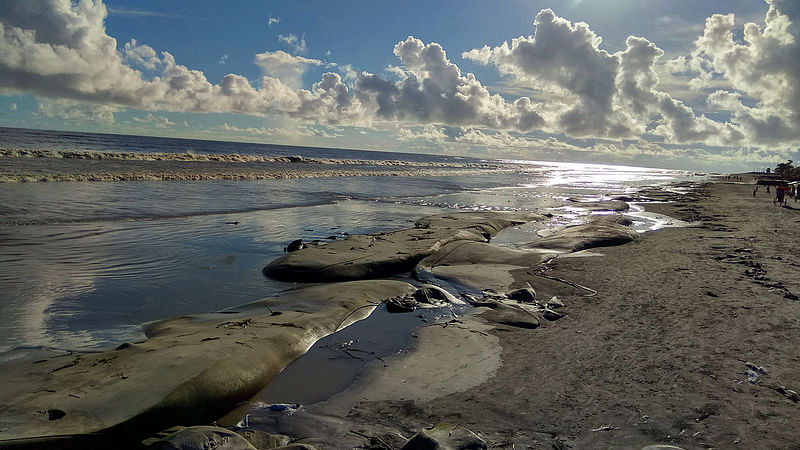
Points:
(787, 171)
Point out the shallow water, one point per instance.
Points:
(85, 265)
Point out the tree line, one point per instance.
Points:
(787, 171)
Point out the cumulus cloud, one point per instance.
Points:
(154, 121)
(292, 131)
(428, 133)
(142, 55)
(287, 68)
(297, 44)
(607, 95)
(75, 111)
(763, 70)
(564, 57)
(433, 90)
(59, 49)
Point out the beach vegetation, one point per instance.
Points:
(787, 171)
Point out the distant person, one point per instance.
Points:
(754, 191)
(780, 193)
(767, 189)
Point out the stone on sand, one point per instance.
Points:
(445, 437)
(526, 295)
(202, 438)
(510, 315)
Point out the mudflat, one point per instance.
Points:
(684, 336)
(691, 340)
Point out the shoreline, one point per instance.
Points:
(685, 344)
(25, 166)
(609, 348)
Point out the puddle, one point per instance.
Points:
(333, 363)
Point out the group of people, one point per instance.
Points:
(782, 193)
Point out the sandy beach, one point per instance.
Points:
(660, 355)
(683, 336)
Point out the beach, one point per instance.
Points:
(683, 336)
(668, 351)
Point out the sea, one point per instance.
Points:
(87, 265)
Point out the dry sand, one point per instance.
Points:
(659, 354)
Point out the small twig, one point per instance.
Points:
(290, 325)
(240, 323)
(349, 353)
(605, 428)
(73, 363)
(245, 344)
(372, 439)
(561, 280)
(453, 429)
(353, 312)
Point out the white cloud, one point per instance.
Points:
(297, 44)
(433, 90)
(134, 12)
(75, 111)
(154, 121)
(284, 131)
(564, 82)
(764, 68)
(607, 95)
(223, 59)
(143, 55)
(285, 67)
(273, 20)
(348, 72)
(429, 133)
(565, 57)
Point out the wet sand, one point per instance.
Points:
(667, 352)
(685, 336)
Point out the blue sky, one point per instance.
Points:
(711, 84)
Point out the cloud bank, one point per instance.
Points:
(59, 50)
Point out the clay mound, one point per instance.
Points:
(616, 205)
(603, 232)
(190, 370)
(386, 254)
(476, 266)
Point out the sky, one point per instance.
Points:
(699, 85)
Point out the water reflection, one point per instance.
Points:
(88, 285)
(122, 254)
